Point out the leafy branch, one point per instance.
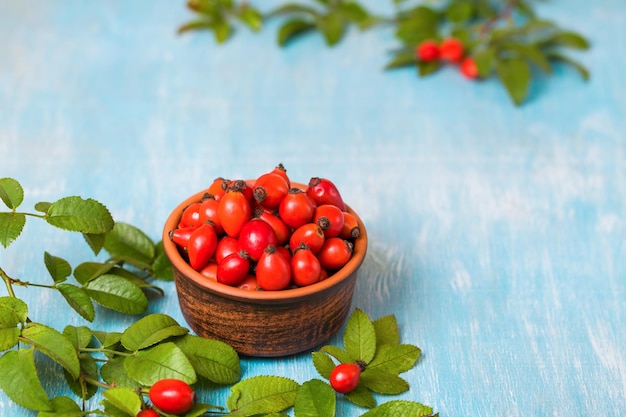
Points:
(505, 39)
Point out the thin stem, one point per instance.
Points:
(8, 281)
(102, 350)
(96, 382)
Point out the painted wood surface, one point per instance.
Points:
(497, 234)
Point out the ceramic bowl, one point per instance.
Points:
(263, 323)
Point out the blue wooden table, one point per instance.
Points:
(497, 234)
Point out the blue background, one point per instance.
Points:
(496, 233)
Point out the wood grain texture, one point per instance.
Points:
(496, 233)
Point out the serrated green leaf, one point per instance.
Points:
(150, 330)
(292, 29)
(19, 380)
(78, 299)
(108, 340)
(116, 293)
(359, 338)
(323, 364)
(95, 241)
(401, 60)
(165, 360)
(13, 311)
(514, 73)
(124, 399)
(87, 271)
(129, 243)
(162, 267)
(584, 73)
(387, 331)
(250, 17)
(400, 408)
(80, 336)
(54, 345)
(383, 382)
(395, 358)
(214, 360)
(262, 395)
(58, 268)
(315, 398)
(11, 226)
(361, 396)
(80, 386)
(340, 354)
(136, 279)
(113, 373)
(332, 28)
(79, 215)
(63, 407)
(11, 192)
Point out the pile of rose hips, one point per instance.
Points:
(171, 396)
(266, 234)
(450, 50)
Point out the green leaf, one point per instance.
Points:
(108, 340)
(395, 358)
(427, 68)
(11, 225)
(332, 27)
(359, 338)
(221, 30)
(199, 24)
(292, 29)
(323, 364)
(80, 387)
(95, 241)
(63, 407)
(13, 311)
(340, 354)
(459, 11)
(113, 372)
(58, 268)
(387, 332)
(162, 267)
(250, 17)
(353, 11)
(400, 408)
(116, 293)
(584, 73)
(262, 395)
(19, 380)
(361, 396)
(78, 215)
(124, 399)
(80, 336)
(214, 360)
(129, 243)
(567, 39)
(315, 398)
(401, 60)
(383, 382)
(515, 76)
(291, 8)
(43, 206)
(78, 299)
(136, 279)
(11, 192)
(165, 360)
(110, 410)
(531, 54)
(87, 271)
(54, 345)
(150, 330)
(484, 60)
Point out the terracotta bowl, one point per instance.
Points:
(264, 323)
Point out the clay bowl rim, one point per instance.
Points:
(259, 297)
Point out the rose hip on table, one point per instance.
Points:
(249, 226)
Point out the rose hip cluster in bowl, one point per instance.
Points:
(267, 233)
(281, 292)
